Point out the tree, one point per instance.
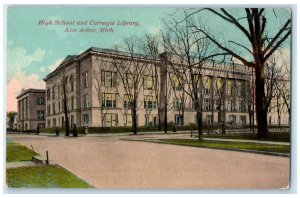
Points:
(252, 25)
(131, 68)
(60, 86)
(150, 46)
(187, 53)
(11, 116)
(104, 80)
(285, 92)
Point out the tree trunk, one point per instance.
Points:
(159, 119)
(66, 110)
(165, 119)
(134, 121)
(66, 119)
(261, 110)
(199, 123)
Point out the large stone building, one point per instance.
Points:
(31, 109)
(96, 95)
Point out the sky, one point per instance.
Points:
(34, 49)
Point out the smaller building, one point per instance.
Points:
(31, 109)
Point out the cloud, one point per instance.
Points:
(42, 69)
(59, 29)
(17, 83)
(18, 59)
(154, 30)
(53, 66)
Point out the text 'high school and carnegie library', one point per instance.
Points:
(48, 22)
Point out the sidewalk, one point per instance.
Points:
(20, 164)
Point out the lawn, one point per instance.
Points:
(229, 145)
(16, 152)
(52, 176)
(278, 136)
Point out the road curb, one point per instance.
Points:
(223, 149)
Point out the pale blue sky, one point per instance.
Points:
(33, 50)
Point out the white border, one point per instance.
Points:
(212, 3)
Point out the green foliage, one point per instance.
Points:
(43, 177)
(229, 145)
(16, 152)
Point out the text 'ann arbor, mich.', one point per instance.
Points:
(88, 26)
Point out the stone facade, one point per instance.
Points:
(96, 96)
(31, 109)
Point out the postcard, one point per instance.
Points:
(148, 98)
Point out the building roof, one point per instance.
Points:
(70, 58)
(25, 91)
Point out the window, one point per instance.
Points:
(48, 123)
(110, 119)
(178, 104)
(59, 109)
(72, 120)
(209, 119)
(230, 105)
(71, 83)
(86, 103)
(109, 100)
(207, 104)
(128, 120)
(48, 109)
(232, 119)
(176, 82)
(53, 92)
(230, 88)
(108, 78)
(40, 115)
(179, 120)
(59, 93)
(243, 120)
(85, 118)
(150, 120)
(149, 82)
(149, 102)
(207, 85)
(85, 79)
(72, 102)
(48, 94)
(241, 105)
(129, 80)
(54, 122)
(240, 88)
(53, 108)
(62, 121)
(68, 103)
(128, 101)
(220, 86)
(40, 101)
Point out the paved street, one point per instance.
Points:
(112, 163)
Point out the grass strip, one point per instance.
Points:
(229, 145)
(16, 152)
(53, 176)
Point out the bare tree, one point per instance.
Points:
(188, 53)
(150, 46)
(60, 86)
(253, 26)
(131, 68)
(104, 80)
